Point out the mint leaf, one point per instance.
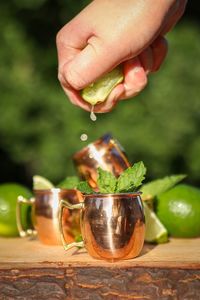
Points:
(156, 187)
(106, 182)
(131, 178)
(84, 188)
(69, 182)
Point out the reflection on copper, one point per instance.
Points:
(112, 225)
(106, 153)
(45, 215)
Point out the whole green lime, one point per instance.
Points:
(179, 211)
(8, 200)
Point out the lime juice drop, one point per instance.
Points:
(84, 137)
(93, 117)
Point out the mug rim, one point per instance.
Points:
(56, 189)
(107, 195)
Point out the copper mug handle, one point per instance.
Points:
(22, 232)
(65, 204)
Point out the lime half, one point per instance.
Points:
(41, 183)
(155, 230)
(179, 210)
(98, 91)
(8, 201)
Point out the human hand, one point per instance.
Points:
(110, 32)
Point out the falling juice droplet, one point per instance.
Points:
(84, 137)
(93, 117)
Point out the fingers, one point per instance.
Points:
(111, 101)
(176, 14)
(70, 41)
(153, 57)
(89, 46)
(159, 49)
(76, 99)
(147, 59)
(135, 74)
(82, 55)
(137, 69)
(135, 78)
(96, 59)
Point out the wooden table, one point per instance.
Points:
(30, 270)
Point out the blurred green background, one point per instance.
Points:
(40, 129)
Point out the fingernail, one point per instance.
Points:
(137, 69)
(139, 72)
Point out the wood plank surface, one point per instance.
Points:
(30, 270)
(179, 253)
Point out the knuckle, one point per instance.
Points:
(75, 79)
(60, 78)
(65, 34)
(59, 37)
(63, 81)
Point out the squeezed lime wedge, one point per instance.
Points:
(41, 183)
(98, 91)
(155, 230)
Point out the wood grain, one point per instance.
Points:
(30, 270)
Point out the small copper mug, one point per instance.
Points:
(112, 225)
(45, 215)
(106, 153)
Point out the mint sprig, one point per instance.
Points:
(107, 183)
(84, 188)
(131, 178)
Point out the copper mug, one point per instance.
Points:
(112, 225)
(106, 153)
(45, 215)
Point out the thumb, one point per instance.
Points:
(90, 63)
